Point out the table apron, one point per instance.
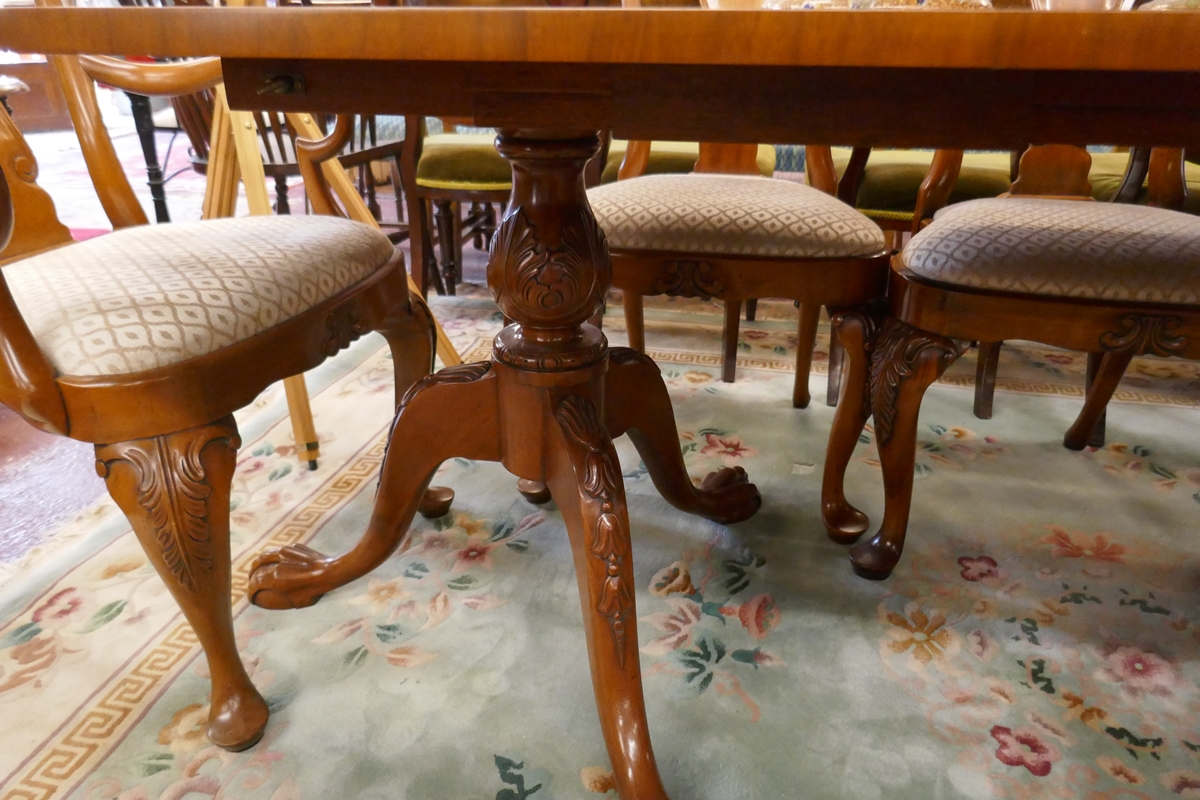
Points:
(973, 108)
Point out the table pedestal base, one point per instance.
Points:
(547, 406)
(560, 434)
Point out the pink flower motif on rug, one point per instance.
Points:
(1183, 782)
(1024, 748)
(675, 624)
(759, 615)
(59, 609)
(976, 569)
(1079, 545)
(1137, 671)
(730, 449)
(474, 554)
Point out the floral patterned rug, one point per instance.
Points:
(1040, 639)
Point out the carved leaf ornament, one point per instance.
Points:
(173, 489)
(1146, 333)
(550, 280)
(897, 358)
(610, 542)
(689, 278)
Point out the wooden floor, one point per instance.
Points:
(44, 479)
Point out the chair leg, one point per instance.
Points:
(635, 322)
(729, 340)
(856, 330)
(751, 309)
(394, 165)
(281, 195)
(457, 240)
(985, 378)
(806, 340)
(444, 217)
(906, 361)
(1093, 368)
(1103, 378)
(369, 185)
(428, 259)
(143, 120)
(837, 361)
(175, 491)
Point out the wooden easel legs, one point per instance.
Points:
(175, 491)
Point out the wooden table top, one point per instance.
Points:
(877, 77)
(1168, 41)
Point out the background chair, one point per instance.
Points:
(152, 375)
(1047, 264)
(726, 232)
(1117, 177)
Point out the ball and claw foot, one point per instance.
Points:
(535, 492)
(844, 523)
(727, 496)
(288, 577)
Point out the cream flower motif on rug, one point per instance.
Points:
(923, 636)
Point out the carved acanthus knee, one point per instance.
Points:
(904, 353)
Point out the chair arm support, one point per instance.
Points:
(154, 80)
(637, 158)
(27, 380)
(938, 184)
(311, 153)
(6, 212)
(1168, 186)
(852, 178)
(818, 166)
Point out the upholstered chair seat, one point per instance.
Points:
(466, 161)
(1062, 248)
(731, 215)
(674, 158)
(152, 296)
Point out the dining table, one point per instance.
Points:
(554, 395)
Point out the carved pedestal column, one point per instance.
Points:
(547, 407)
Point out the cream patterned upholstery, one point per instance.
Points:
(1062, 248)
(155, 295)
(736, 215)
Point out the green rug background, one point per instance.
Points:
(1040, 638)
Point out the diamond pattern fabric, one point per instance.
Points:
(155, 295)
(1062, 248)
(736, 215)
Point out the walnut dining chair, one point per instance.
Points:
(1045, 264)
(728, 233)
(144, 341)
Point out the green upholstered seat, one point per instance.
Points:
(465, 161)
(674, 158)
(893, 178)
(1108, 169)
